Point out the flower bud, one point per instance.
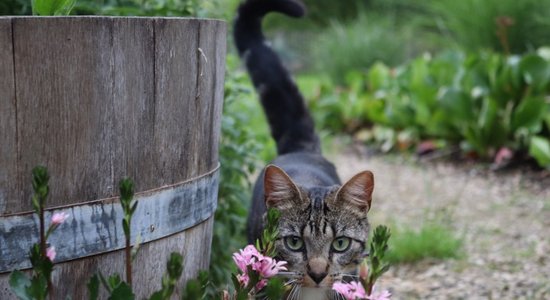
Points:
(50, 253)
(364, 270)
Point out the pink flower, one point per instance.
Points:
(261, 284)
(50, 253)
(503, 155)
(250, 251)
(59, 218)
(268, 267)
(264, 266)
(384, 295)
(351, 290)
(246, 257)
(243, 279)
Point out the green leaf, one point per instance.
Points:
(539, 148)
(193, 290)
(235, 281)
(529, 113)
(242, 295)
(39, 287)
(133, 208)
(122, 292)
(274, 289)
(378, 249)
(19, 283)
(491, 131)
(126, 187)
(375, 110)
(457, 105)
(535, 71)
(40, 178)
(105, 283)
(175, 265)
(378, 77)
(114, 281)
(157, 296)
(52, 7)
(93, 287)
(36, 203)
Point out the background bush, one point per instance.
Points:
(497, 25)
(481, 102)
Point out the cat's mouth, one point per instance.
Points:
(310, 282)
(305, 280)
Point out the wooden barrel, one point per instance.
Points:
(96, 99)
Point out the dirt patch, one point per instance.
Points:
(504, 219)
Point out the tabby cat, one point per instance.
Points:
(323, 225)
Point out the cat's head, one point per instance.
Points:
(322, 230)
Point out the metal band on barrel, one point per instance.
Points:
(95, 227)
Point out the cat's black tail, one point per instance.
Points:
(291, 124)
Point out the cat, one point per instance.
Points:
(323, 225)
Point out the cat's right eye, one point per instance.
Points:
(294, 243)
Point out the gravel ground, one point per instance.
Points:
(504, 220)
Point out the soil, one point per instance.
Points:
(503, 218)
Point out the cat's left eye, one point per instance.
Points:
(341, 244)
(294, 243)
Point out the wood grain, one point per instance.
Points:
(96, 99)
(64, 96)
(8, 131)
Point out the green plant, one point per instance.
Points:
(137, 7)
(480, 101)
(126, 187)
(539, 148)
(508, 26)
(52, 7)
(431, 240)
(15, 7)
(257, 267)
(115, 286)
(39, 285)
(378, 263)
(370, 270)
(239, 153)
(358, 44)
(181, 8)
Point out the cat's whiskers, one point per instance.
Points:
(292, 281)
(344, 277)
(336, 296)
(294, 292)
(290, 274)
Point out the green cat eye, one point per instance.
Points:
(341, 244)
(294, 243)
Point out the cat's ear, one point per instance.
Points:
(357, 192)
(280, 191)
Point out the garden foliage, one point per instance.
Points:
(239, 150)
(479, 101)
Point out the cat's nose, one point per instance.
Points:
(317, 277)
(317, 269)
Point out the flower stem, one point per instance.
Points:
(128, 251)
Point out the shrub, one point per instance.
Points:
(482, 102)
(499, 25)
(140, 7)
(15, 7)
(239, 152)
(358, 44)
